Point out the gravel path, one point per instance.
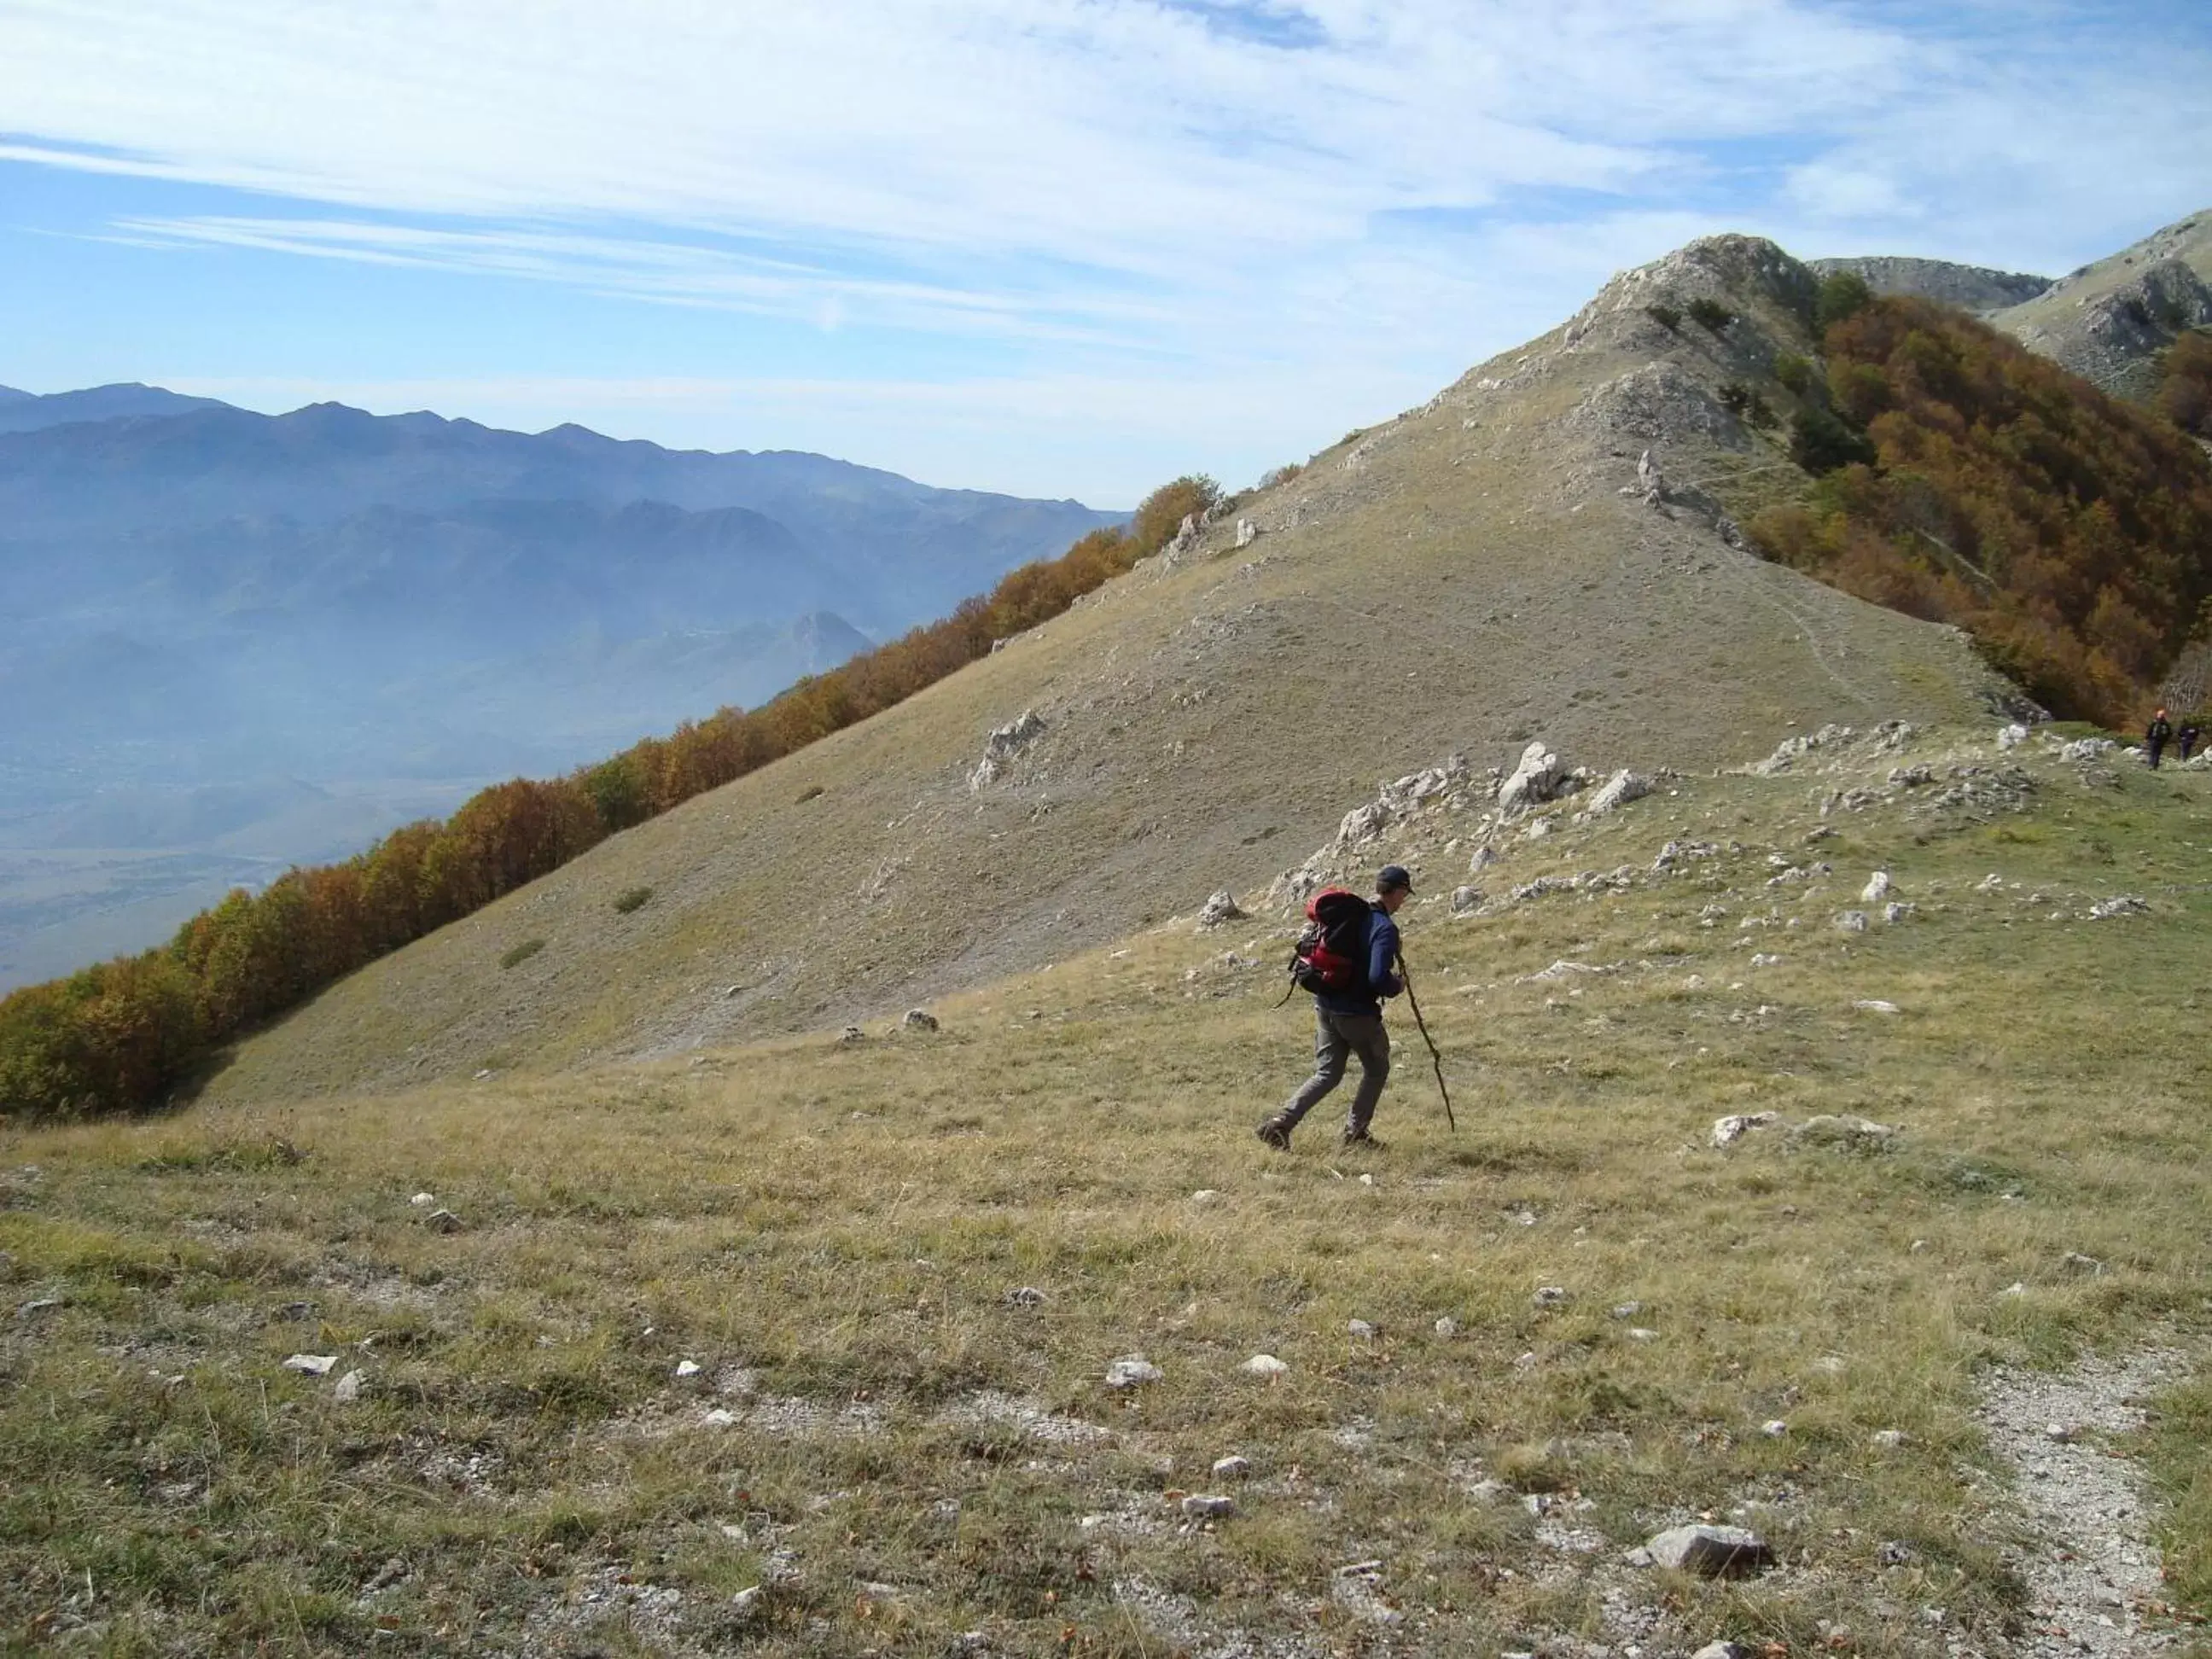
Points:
(2094, 1572)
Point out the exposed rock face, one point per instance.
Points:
(1539, 777)
(1001, 746)
(1622, 787)
(1970, 288)
(2108, 321)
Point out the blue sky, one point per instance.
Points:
(1065, 248)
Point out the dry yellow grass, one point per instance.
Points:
(830, 1233)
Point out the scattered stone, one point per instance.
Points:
(1025, 1296)
(687, 1368)
(1204, 1196)
(2061, 1432)
(719, 1418)
(423, 1201)
(1723, 1650)
(1639, 1334)
(1231, 1467)
(1220, 907)
(1889, 1439)
(1877, 888)
(1446, 1327)
(37, 1306)
(1774, 1428)
(442, 1221)
(749, 1604)
(1895, 912)
(1844, 1133)
(1895, 1553)
(1765, 959)
(2085, 750)
(1361, 1330)
(1264, 1365)
(2126, 904)
(851, 1034)
(1551, 1296)
(311, 1364)
(1875, 1006)
(348, 1390)
(1247, 533)
(1626, 1309)
(2075, 1262)
(1851, 922)
(1711, 1551)
(1209, 1506)
(919, 1019)
(2011, 736)
(1726, 1131)
(1484, 857)
(1466, 899)
(1132, 1370)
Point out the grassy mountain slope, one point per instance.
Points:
(1473, 572)
(892, 1450)
(2108, 321)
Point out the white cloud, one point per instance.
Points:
(1321, 203)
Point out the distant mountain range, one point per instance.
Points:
(196, 598)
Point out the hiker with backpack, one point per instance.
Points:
(2156, 736)
(1347, 958)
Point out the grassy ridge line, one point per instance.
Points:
(118, 1037)
(829, 1232)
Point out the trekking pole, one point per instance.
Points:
(1434, 1058)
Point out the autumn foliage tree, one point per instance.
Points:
(1964, 480)
(121, 1035)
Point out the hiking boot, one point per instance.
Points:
(1360, 1138)
(1275, 1132)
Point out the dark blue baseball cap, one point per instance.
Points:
(1392, 877)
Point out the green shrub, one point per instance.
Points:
(1819, 442)
(1665, 316)
(1710, 314)
(1795, 373)
(1842, 296)
(522, 953)
(633, 898)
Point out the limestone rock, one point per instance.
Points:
(1466, 899)
(1726, 1131)
(1264, 1365)
(1851, 922)
(1538, 776)
(2126, 904)
(442, 1221)
(1484, 856)
(311, 1364)
(1711, 1551)
(348, 1390)
(1219, 907)
(1000, 748)
(1025, 1296)
(1131, 1371)
(1209, 1506)
(1247, 533)
(919, 1019)
(1231, 1467)
(1551, 1296)
(2011, 736)
(1622, 787)
(1877, 888)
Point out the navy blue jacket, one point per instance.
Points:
(1382, 975)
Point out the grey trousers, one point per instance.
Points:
(1336, 1038)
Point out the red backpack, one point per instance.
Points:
(1332, 952)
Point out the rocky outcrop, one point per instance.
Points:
(2108, 321)
(1000, 749)
(1970, 288)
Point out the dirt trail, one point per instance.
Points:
(2093, 1573)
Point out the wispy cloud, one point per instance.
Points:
(1368, 192)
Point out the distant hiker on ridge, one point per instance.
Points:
(1346, 959)
(2189, 736)
(2156, 736)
